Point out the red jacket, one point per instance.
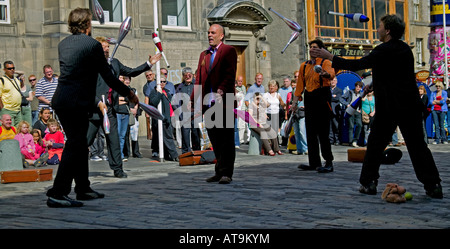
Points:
(221, 75)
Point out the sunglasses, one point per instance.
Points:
(11, 68)
(30, 80)
(163, 81)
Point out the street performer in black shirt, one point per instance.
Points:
(394, 87)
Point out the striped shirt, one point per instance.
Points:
(46, 88)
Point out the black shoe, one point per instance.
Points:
(214, 178)
(120, 174)
(90, 195)
(327, 168)
(137, 156)
(306, 167)
(225, 180)
(434, 191)
(63, 201)
(370, 189)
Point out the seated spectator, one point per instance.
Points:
(27, 147)
(38, 142)
(41, 124)
(266, 133)
(54, 141)
(7, 131)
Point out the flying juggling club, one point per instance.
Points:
(113, 41)
(158, 44)
(356, 17)
(296, 28)
(98, 11)
(123, 31)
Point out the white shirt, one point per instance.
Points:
(274, 107)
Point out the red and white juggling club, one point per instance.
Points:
(123, 31)
(293, 25)
(158, 44)
(113, 41)
(98, 11)
(356, 17)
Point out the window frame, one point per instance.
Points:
(96, 23)
(6, 3)
(180, 28)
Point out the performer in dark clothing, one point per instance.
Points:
(112, 104)
(394, 85)
(81, 60)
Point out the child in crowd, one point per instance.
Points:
(27, 147)
(38, 143)
(41, 124)
(54, 140)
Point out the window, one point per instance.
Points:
(115, 11)
(345, 30)
(4, 11)
(416, 10)
(419, 52)
(176, 14)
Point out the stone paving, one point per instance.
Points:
(266, 193)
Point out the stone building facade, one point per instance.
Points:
(30, 31)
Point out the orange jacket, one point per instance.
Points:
(309, 80)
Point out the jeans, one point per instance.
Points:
(300, 135)
(236, 133)
(122, 125)
(438, 120)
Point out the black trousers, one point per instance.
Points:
(410, 124)
(317, 122)
(74, 163)
(189, 135)
(222, 141)
(112, 139)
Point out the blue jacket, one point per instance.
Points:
(443, 101)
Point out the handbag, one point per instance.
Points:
(365, 117)
(132, 119)
(299, 113)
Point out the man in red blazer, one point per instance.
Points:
(216, 73)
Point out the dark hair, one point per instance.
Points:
(7, 63)
(395, 25)
(79, 20)
(359, 83)
(318, 42)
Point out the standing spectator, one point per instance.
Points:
(216, 74)
(164, 97)
(81, 60)
(190, 133)
(26, 91)
(354, 120)
(274, 101)
(45, 88)
(336, 116)
(123, 116)
(256, 87)
(317, 98)
(368, 107)
(426, 109)
(10, 94)
(438, 101)
(154, 122)
(133, 130)
(284, 90)
(242, 126)
(392, 92)
(299, 122)
(35, 102)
